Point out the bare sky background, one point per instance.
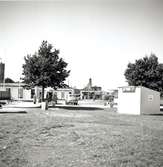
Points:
(97, 38)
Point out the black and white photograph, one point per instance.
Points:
(81, 83)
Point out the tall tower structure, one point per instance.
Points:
(90, 82)
(2, 72)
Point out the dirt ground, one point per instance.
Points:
(66, 138)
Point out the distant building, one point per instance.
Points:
(64, 93)
(111, 95)
(14, 91)
(91, 92)
(17, 91)
(112, 92)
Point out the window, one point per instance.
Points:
(32, 93)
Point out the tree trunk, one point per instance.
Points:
(42, 93)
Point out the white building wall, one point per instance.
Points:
(26, 94)
(59, 95)
(63, 94)
(67, 95)
(141, 101)
(129, 102)
(150, 101)
(18, 92)
(14, 93)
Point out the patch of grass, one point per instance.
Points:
(100, 138)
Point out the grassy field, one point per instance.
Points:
(66, 138)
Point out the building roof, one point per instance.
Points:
(12, 84)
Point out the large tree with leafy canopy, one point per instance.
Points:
(146, 72)
(45, 68)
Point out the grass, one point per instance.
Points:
(85, 138)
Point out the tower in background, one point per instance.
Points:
(89, 86)
(90, 82)
(2, 72)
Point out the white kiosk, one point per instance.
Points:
(138, 100)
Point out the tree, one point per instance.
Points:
(9, 80)
(145, 72)
(45, 68)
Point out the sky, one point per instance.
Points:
(97, 38)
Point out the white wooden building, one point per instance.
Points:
(138, 100)
(17, 91)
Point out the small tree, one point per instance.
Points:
(145, 72)
(45, 68)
